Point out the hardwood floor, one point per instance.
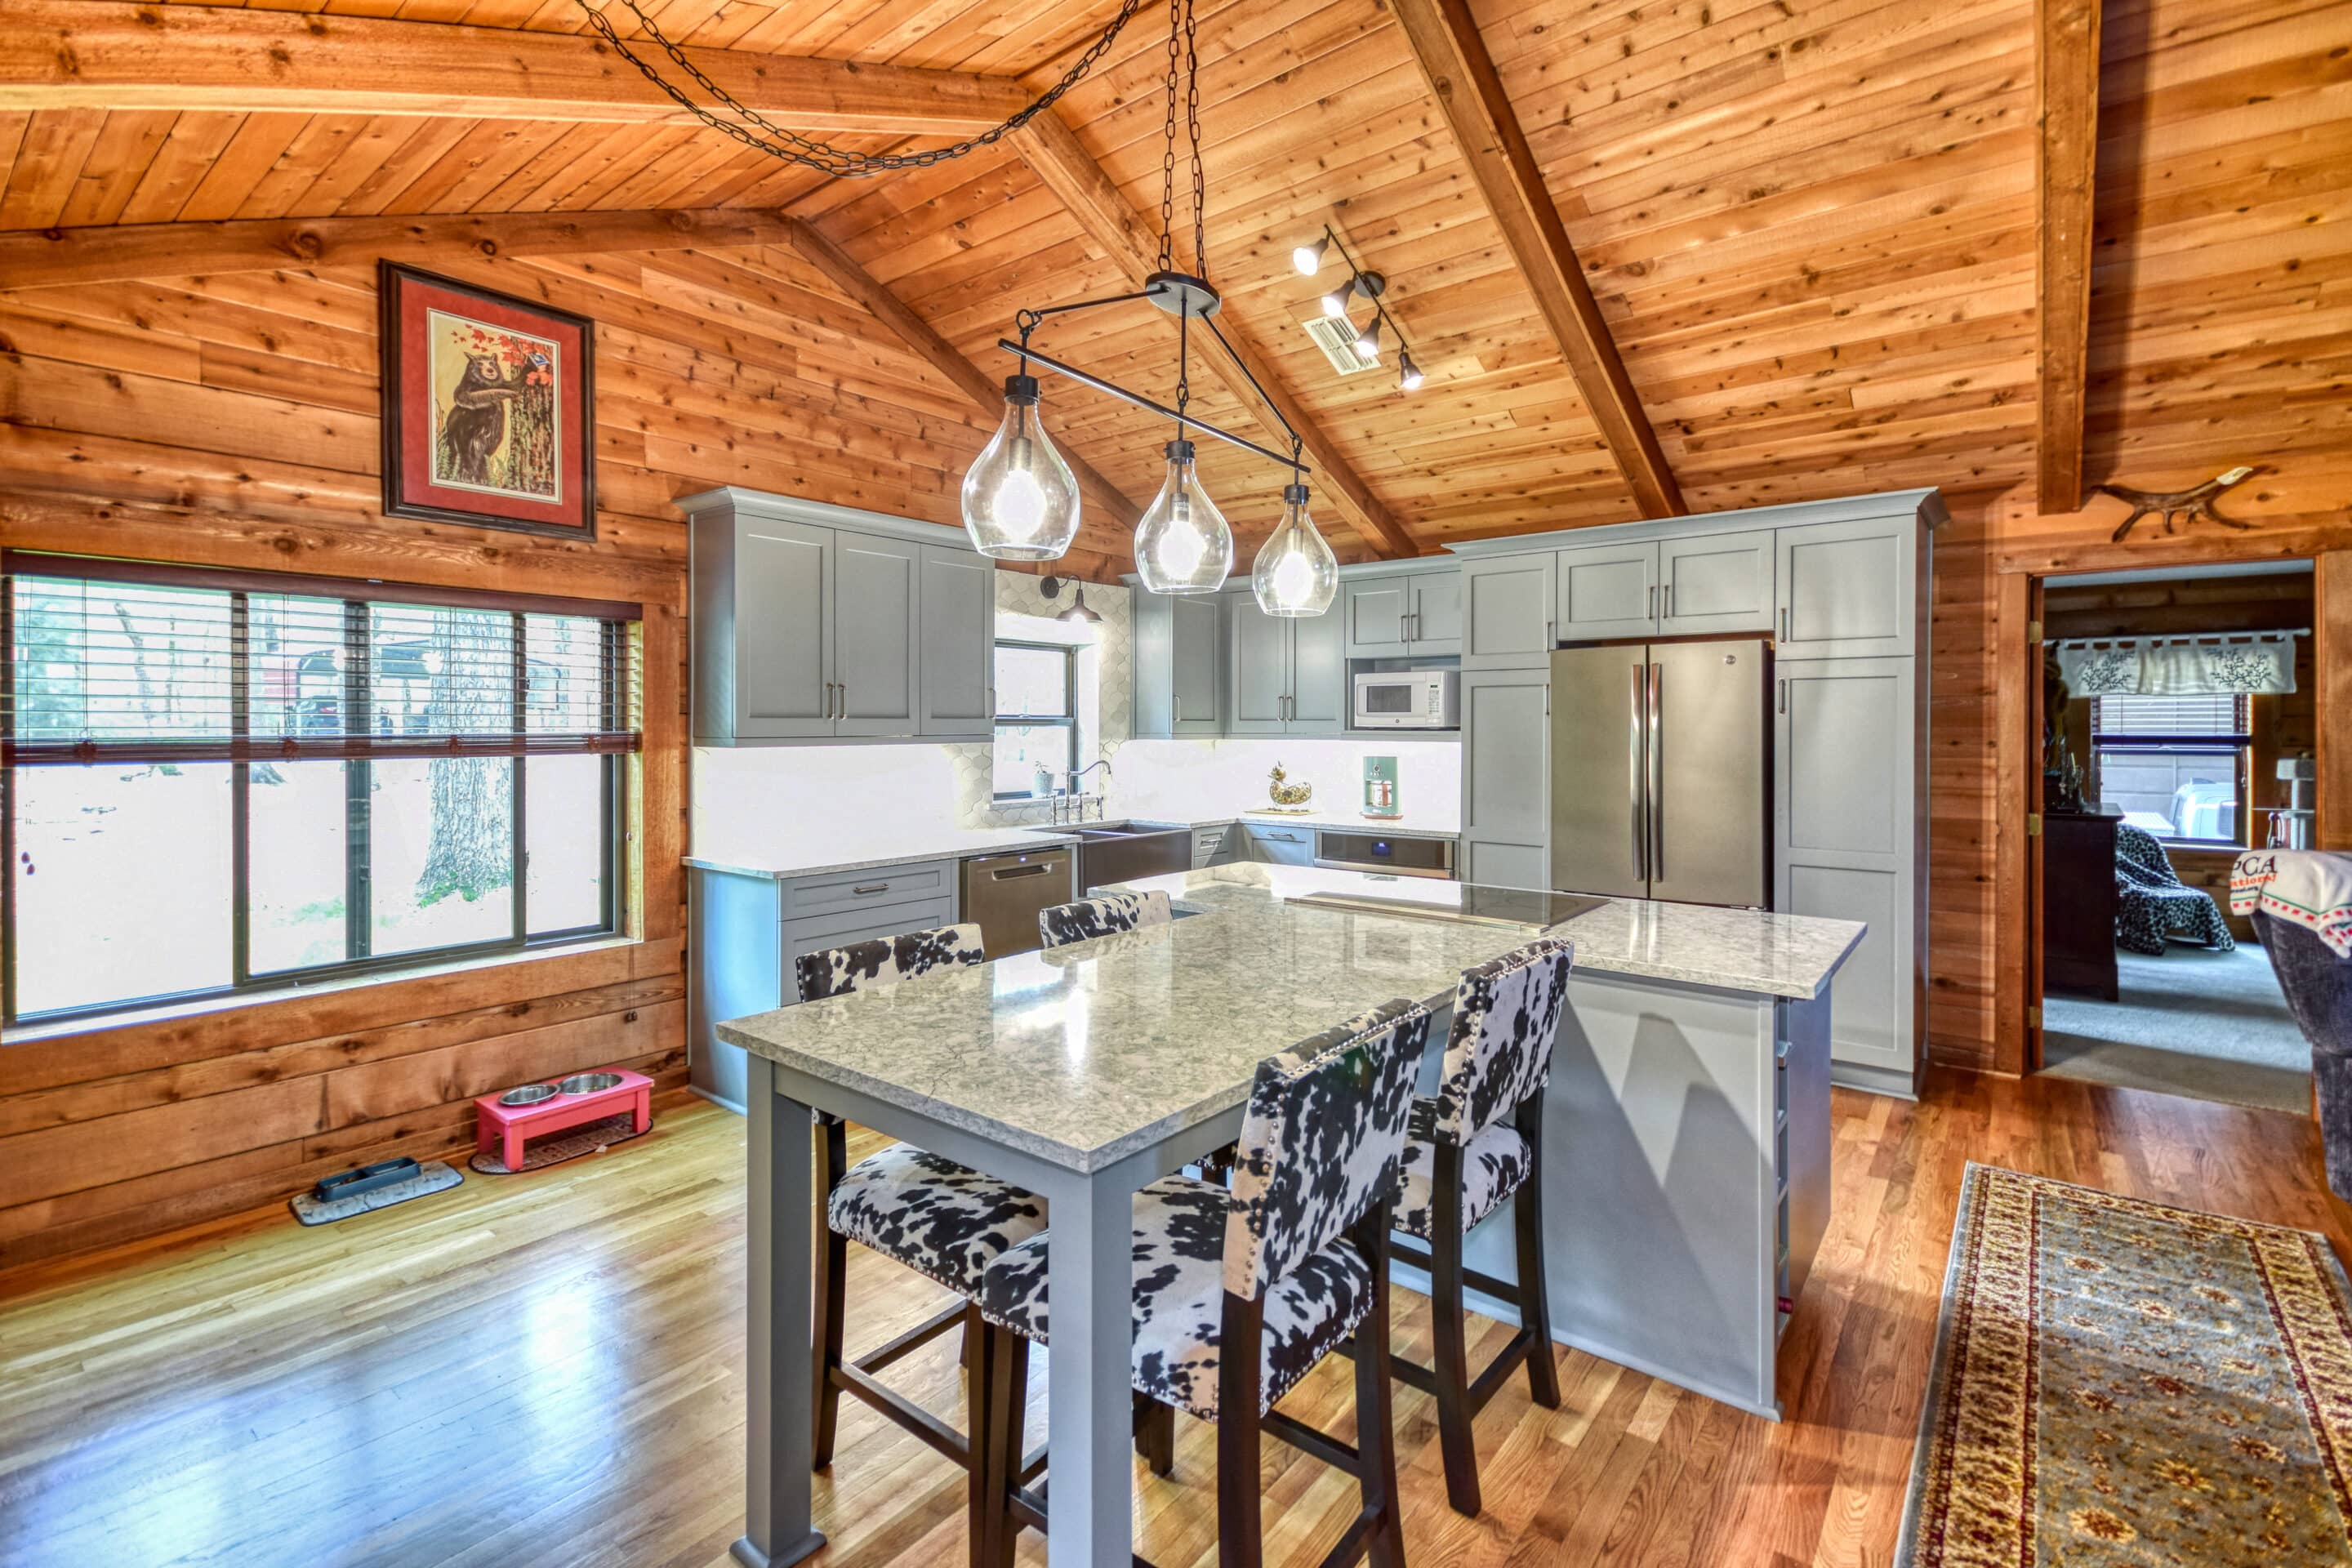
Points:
(548, 1370)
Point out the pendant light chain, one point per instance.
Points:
(1193, 127)
(843, 162)
(1167, 152)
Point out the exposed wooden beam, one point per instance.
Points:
(1446, 40)
(95, 54)
(2066, 111)
(35, 257)
(1053, 152)
(976, 384)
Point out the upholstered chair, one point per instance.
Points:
(1104, 916)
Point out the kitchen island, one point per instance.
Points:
(1085, 1072)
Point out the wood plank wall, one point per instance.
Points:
(231, 420)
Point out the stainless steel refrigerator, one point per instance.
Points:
(1662, 771)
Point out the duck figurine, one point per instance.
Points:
(1285, 792)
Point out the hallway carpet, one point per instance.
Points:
(2211, 1026)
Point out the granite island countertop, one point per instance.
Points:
(1087, 1053)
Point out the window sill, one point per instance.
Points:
(25, 1034)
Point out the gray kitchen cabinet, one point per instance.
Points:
(958, 600)
(810, 622)
(1850, 589)
(1849, 843)
(1180, 659)
(1506, 777)
(1401, 615)
(1509, 607)
(1284, 675)
(1608, 591)
(1277, 844)
(1716, 583)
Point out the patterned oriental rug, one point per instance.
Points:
(2118, 1383)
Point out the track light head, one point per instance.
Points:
(1308, 257)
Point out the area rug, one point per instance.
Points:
(2118, 1383)
(2211, 1026)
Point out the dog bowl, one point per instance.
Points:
(529, 1094)
(590, 1082)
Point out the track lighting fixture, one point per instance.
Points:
(1364, 284)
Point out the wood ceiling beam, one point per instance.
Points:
(976, 384)
(95, 54)
(1469, 92)
(1053, 153)
(35, 257)
(2066, 157)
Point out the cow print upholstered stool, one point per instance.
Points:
(1240, 1293)
(1106, 916)
(1472, 1146)
(945, 1221)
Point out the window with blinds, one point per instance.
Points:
(221, 781)
(2176, 765)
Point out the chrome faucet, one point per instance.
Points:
(1076, 794)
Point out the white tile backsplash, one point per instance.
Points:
(1202, 778)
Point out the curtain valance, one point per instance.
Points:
(2178, 667)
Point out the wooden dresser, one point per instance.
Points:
(2078, 905)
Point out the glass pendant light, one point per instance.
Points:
(1020, 498)
(1182, 544)
(1296, 572)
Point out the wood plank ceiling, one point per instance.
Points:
(1810, 225)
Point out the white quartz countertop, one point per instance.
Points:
(1088, 1053)
(1407, 827)
(855, 852)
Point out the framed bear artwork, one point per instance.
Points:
(489, 408)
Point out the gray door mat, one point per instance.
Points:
(589, 1138)
(434, 1176)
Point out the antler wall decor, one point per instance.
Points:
(2189, 504)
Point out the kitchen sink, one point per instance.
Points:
(1122, 851)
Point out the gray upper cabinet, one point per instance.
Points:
(1436, 629)
(1848, 589)
(959, 598)
(1716, 583)
(1509, 605)
(815, 622)
(1608, 591)
(1402, 615)
(1284, 675)
(1179, 660)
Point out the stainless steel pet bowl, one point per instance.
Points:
(590, 1082)
(529, 1094)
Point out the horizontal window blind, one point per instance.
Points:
(2122, 720)
(120, 660)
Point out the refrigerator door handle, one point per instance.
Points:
(1637, 777)
(1657, 777)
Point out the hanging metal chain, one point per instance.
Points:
(1167, 152)
(1193, 127)
(766, 136)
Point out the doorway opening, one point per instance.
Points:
(2178, 730)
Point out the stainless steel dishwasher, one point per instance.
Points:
(1003, 893)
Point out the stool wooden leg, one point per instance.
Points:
(979, 1496)
(1240, 1541)
(1006, 1357)
(1376, 1466)
(1456, 1440)
(832, 1265)
(1534, 1300)
(1155, 1434)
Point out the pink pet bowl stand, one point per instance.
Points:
(506, 1127)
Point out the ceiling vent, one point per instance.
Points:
(1336, 336)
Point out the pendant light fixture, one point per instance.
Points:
(1295, 574)
(1019, 499)
(1183, 545)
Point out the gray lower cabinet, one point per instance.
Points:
(1284, 675)
(1217, 846)
(1849, 590)
(1608, 591)
(1506, 777)
(812, 622)
(1277, 844)
(1510, 605)
(1716, 583)
(1179, 660)
(1849, 844)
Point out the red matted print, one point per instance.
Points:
(487, 401)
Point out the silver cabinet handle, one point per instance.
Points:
(1654, 601)
(991, 701)
(870, 887)
(1784, 623)
(845, 699)
(828, 699)
(1179, 707)
(1669, 601)
(1551, 636)
(1636, 782)
(1657, 775)
(1784, 694)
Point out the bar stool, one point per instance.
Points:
(1104, 916)
(945, 1221)
(1478, 1142)
(1240, 1293)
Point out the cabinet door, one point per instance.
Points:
(1507, 777)
(1717, 583)
(784, 629)
(1196, 630)
(1608, 591)
(1280, 846)
(1848, 589)
(1319, 675)
(958, 636)
(1842, 812)
(1257, 669)
(1436, 606)
(1375, 609)
(1507, 608)
(877, 656)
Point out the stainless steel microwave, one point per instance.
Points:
(1409, 700)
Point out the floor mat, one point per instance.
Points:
(432, 1176)
(2210, 1025)
(591, 1138)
